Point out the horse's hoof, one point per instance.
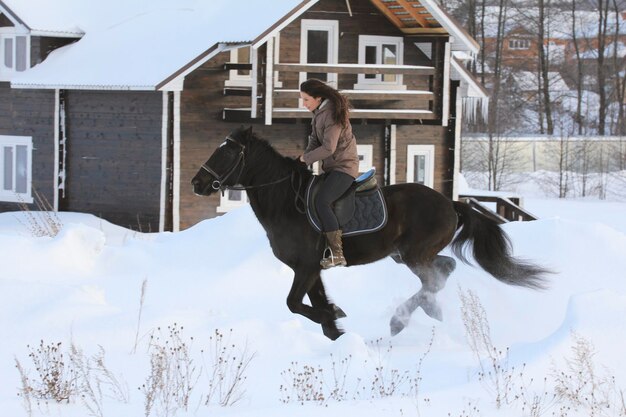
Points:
(433, 310)
(339, 313)
(331, 331)
(396, 325)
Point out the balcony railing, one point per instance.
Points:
(282, 100)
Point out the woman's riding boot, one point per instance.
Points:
(333, 255)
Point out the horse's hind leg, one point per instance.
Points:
(433, 277)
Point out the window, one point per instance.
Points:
(365, 157)
(16, 162)
(380, 50)
(519, 44)
(14, 54)
(420, 167)
(240, 77)
(231, 200)
(319, 45)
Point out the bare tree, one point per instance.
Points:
(619, 75)
(544, 63)
(483, 53)
(564, 166)
(493, 125)
(603, 12)
(578, 118)
(472, 26)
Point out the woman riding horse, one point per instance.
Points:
(332, 142)
(422, 222)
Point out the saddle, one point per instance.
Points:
(361, 209)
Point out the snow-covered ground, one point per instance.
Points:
(218, 287)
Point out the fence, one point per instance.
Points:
(588, 154)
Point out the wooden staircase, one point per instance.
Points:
(508, 209)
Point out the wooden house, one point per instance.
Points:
(114, 113)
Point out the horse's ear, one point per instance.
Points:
(249, 132)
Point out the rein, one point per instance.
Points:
(250, 187)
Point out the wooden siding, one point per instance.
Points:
(114, 156)
(425, 135)
(31, 113)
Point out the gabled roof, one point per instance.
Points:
(5, 10)
(146, 43)
(423, 17)
(41, 19)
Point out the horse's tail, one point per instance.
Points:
(492, 249)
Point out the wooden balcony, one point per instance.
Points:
(270, 101)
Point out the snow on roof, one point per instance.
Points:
(61, 16)
(609, 50)
(141, 44)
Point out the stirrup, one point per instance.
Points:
(331, 261)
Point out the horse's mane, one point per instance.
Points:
(267, 164)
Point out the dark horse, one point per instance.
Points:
(421, 223)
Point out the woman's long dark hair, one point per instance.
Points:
(317, 88)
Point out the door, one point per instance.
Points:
(319, 45)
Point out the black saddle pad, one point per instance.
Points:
(357, 212)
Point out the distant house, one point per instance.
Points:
(519, 47)
(111, 108)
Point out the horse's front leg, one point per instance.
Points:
(317, 295)
(304, 281)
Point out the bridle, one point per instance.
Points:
(218, 183)
(219, 179)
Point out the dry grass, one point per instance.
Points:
(41, 222)
(173, 373)
(336, 381)
(227, 370)
(578, 387)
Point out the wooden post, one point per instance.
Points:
(445, 109)
(269, 81)
(254, 60)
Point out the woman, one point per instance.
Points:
(332, 142)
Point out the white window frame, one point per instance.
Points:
(332, 27)
(367, 151)
(226, 204)
(10, 195)
(519, 44)
(6, 73)
(378, 42)
(429, 152)
(235, 79)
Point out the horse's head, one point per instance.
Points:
(225, 166)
